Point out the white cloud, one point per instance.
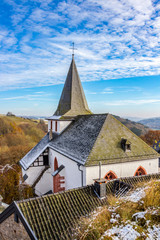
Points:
(132, 102)
(115, 39)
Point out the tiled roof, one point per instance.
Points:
(72, 101)
(77, 140)
(54, 216)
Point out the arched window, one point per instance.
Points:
(55, 164)
(140, 171)
(110, 175)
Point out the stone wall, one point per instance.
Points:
(11, 230)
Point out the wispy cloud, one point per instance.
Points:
(115, 39)
(132, 102)
(27, 97)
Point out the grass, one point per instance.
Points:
(152, 198)
(93, 227)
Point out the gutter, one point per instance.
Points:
(79, 165)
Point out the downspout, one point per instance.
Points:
(79, 165)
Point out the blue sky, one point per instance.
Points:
(118, 56)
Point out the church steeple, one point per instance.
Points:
(72, 101)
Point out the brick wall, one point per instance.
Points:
(10, 230)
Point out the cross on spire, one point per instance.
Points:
(73, 49)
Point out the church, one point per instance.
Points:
(81, 146)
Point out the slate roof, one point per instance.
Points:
(78, 139)
(72, 101)
(54, 216)
(93, 138)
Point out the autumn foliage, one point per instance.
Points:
(17, 137)
(151, 136)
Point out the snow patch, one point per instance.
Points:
(153, 233)
(122, 232)
(136, 195)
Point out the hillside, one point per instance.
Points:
(17, 137)
(153, 123)
(137, 128)
(135, 216)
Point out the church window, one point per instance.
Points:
(140, 171)
(110, 175)
(55, 164)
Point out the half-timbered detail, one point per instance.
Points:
(42, 160)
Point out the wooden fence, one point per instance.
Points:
(132, 181)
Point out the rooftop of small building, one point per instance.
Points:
(55, 215)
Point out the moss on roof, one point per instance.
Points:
(107, 147)
(54, 216)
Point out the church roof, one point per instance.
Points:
(93, 138)
(107, 147)
(78, 139)
(72, 101)
(54, 216)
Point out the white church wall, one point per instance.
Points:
(32, 173)
(45, 183)
(61, 125)
(72, 174)
(126, 169)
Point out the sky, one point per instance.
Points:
(117, 56)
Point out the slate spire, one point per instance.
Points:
(72, 101)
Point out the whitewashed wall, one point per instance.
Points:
(45, 183)
(61, 125)
(126, 169)
(32, 173)
(72, 174)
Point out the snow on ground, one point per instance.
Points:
(135, 195)
(153, 233)
(127, 231)
(139, 215)
(122, 232)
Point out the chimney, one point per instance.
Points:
(100, 184)
(50, 134)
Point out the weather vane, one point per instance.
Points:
(73, 48)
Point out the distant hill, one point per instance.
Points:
(153, 123)
(18, 136)
(137, 128)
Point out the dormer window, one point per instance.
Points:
(125, 145)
